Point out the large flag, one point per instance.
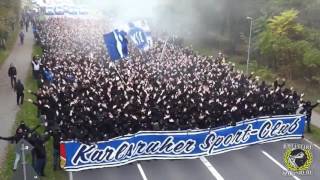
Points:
(139, 32)
(117, 44)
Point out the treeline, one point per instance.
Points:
(289, 47)
(9, 17)
(286, 34)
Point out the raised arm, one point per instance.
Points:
(7, 138)
(283, 83)
(46, 137)
(34, 129)
(315, 105)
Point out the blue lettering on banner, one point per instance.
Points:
(181, 144)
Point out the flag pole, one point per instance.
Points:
(164, 48)
(115, 68)
(143, 55)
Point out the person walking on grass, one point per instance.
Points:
(12, 73)
(40, 153)
(307, 109)
(20, 92)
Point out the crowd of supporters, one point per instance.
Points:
(86, 97)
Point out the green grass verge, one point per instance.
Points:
(37, 50)
(9, 12)
(10, 44)
(314, 136)
(28, 113)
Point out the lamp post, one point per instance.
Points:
(249, 45)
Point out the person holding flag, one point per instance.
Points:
(117, 44)
(140, 34)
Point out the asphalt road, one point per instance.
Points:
(251, 163)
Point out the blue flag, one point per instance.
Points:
(117, 44)
(140, 34)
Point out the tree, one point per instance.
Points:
(311, 60)
(286, 25)
(280, 43)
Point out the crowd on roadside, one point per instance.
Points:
(87, 97)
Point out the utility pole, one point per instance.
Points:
(249, 45)
(24, 162)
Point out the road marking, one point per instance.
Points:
(213, 171)
(144, 177)
(312, 143)
(279, 164)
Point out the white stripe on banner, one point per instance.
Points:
(119, 39)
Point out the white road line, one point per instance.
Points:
(279, 164)
(213, 171)
(144, 177)
(312, 143)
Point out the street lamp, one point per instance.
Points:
(249, 45)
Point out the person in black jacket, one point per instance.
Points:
(20, 92)
(277, 84)
(56, 135)
(307, 108)
(32, 140)
(40, 153)
(21, 35)
(12, 73)
(22, 132)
